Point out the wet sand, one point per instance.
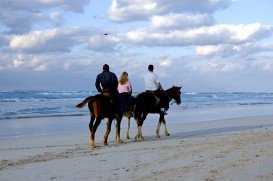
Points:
(230, 149)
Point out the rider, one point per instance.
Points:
(124, 86)
(107, 82)
(152, 84)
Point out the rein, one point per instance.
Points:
(170, 98)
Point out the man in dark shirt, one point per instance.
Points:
(107, 81)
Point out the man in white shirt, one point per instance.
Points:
(152, 84)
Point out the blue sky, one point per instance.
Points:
(209, 45)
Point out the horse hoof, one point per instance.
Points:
(119, 142)
(157, 136)
(105, 144)
(127, 137)
(167, 134)
(92, 143)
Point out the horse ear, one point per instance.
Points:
(180, 87)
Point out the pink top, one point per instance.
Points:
(125, 87)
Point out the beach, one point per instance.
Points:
(221, 149)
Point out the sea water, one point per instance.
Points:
(19, 107)
(29, 104)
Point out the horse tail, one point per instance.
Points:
(82, 104)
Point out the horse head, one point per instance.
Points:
(174, 93)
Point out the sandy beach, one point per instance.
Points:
(228, 149)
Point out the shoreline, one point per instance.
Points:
(29, 127)
(229, 149)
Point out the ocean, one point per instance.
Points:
(34, 113)
(30, 104)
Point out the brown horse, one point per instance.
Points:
(101, 106)
(146, 103)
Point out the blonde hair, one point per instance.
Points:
(123, 78)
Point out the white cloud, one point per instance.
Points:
(166, 62)
(229, 50)
(129, 10)
(103, 43)
(50, 40)
(40, 68)
(218, 66)
(263, 63)
(19, 16)
(181, 21)
(17, 62)
(213, 35)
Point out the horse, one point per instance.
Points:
(102, 106)
(146, 103)
(128, 113)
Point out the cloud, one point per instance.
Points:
(17, 62)
(180, 21)
(2, 68)
(104, 43)
(229, 50)
(40, 68)
(36, 5)
(50, 40)
(19, 16)
(264, 63)
(212, 35)
(132, 10)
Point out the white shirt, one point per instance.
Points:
(151, 81)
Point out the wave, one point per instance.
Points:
(28, 104)
(254, 103)
(42, 116)
(40, 99)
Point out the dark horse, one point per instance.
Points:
(146, 103)
(102, 106)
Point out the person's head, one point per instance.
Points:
(151, 68)
(105, 67)
(123, 78)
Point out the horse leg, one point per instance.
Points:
(165, 127)
(139, 127)
(128, 127)
(161, 120)
(107, 131)
(158, 126)
(93, 131)
(91, 125)
(118, 140)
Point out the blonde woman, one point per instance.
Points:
(124, 84)
(125, 88)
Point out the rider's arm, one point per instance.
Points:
(158, 83)
(130, 87)
(159, 86)
(98, 80)
(115, 80)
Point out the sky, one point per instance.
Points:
(201, 45)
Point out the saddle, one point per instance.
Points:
(157, 99)
(108, 95)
